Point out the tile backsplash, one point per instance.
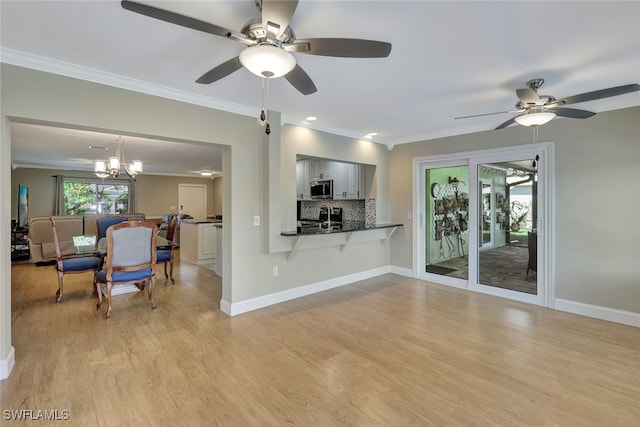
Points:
(352, 210)
(369, 212)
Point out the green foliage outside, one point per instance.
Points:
(78, 196)
(82, 198)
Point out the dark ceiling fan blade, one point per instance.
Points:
(598, 94)
(486, 114)
(278, 12)
(220, 71)
(345, 48)
(571, 112)
(528, 96)
(301, 80)
(507, 123)
(174, 18)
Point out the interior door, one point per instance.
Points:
(192, 200)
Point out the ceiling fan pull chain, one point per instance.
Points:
(534, 164)
(262, 118)
(267, 129)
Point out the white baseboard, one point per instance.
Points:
(289, 294)
(598, 312)
(6, 364)
(225, 307)
(401, 271)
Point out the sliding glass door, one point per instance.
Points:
(445, 206)
(507, 256)
(481, 222)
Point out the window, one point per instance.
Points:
(94, 197)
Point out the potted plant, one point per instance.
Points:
(518, 216)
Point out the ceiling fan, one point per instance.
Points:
(269, 42)
(536, 110)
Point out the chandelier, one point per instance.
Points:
(111, 167)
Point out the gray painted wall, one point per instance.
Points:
(597, 201)
(251, 170)
(155, 194)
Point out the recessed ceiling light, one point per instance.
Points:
(206, 173)
(311, 118)
(371, 135)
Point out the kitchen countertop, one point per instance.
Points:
(346, 227)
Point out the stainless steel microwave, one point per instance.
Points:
(322, 189)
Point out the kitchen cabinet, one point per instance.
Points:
(321, 169)
(348, 178)
(303, 178)
(347, 181)
(198, 242)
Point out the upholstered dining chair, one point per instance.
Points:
(105, 221)
(131, 258)
(69, 265)
(165, 256)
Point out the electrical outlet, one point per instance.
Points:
(256, 220)
(409, 215)
(275, 271)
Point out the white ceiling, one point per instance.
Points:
(40, 146)
(449, 59)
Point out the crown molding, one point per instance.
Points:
(67, 69)
(54, 66)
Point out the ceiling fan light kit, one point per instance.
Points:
(267, 60)
(536, 110)
(535, 118)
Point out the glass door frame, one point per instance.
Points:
(420, 218)
(545, 218)
(492, 214)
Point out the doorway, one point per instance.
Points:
(503, 196)
(192, 200)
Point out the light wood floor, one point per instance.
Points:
(388, 351)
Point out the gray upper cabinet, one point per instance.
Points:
(321, 169)
(303, 178)
(348, 178)
(347, 181)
